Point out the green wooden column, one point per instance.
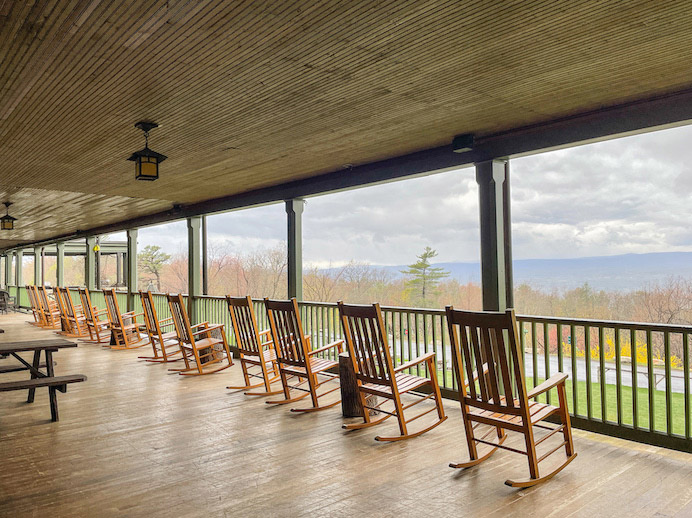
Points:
(496, 242)
(60, 264)
(131, 268)
(8, 269)
(205, 257)
(38, 281)
(294, 213)
(90, 264)
(194, 265)
(19, 259)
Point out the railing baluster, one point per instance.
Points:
(534, 353)
(602, 373)
(587, 370)
(573, 353)
(546, 348)
(652, 378)
(635, 385)
(618, 375)
(669, 394)
(686, 381)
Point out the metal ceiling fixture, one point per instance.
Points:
(146, 160)
(7, 221)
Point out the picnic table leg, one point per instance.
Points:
(51, 390)
(37, 361)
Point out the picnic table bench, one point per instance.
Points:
(38, 378)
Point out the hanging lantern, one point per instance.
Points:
(7, 221)
(146, 160)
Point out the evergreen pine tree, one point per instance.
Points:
(423, 278)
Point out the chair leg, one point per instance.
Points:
(564, 416)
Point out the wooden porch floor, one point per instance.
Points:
(135, 440)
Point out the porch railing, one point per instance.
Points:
(626, 379)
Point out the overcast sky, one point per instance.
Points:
(629, 195)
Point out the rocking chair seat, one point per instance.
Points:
(316, 365)
(204, 343)
(268, 356)
(405, 383)
(537, 411)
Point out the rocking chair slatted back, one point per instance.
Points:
(244, 325)
(114, 315)
(67, 301)
(367, 344)
(150, 317)
(486, 349)
(180, 318)
(287, 330)
(32, 300)
(86, 305)
(44, 299)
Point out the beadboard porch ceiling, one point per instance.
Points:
(252, 94)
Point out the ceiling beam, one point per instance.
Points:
(609, 122)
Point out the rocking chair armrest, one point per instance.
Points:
(415, 361)
(551, 382)
(207, 329)
(338, 343)
(200, 324)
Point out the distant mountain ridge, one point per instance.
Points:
(626, 272)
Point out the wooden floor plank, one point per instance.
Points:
(135, 440)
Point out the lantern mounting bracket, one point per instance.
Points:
(146, 126)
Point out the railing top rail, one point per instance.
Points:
(615, 324)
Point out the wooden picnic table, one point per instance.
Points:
(38, 378)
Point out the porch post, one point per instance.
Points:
(97, 263)
(205, 258)
(294, 212)
(118, 269)
(19, 256)
(496, 244)
(131, 268)
(60, 264)
(194, 267)
(90, 264)
(38, 256)
(8, 270)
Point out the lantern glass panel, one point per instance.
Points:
(7, 224)
(146, 168)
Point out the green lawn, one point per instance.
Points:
(659, 422)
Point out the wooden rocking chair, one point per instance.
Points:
(296, 359)
(376, 375)
(95, 326)
(60, 303)
(164, 345)
(50, 310)
(485, 350)
(257, 352)
(198, 342)
(35, 306)
(75, 323)
(123, 326)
